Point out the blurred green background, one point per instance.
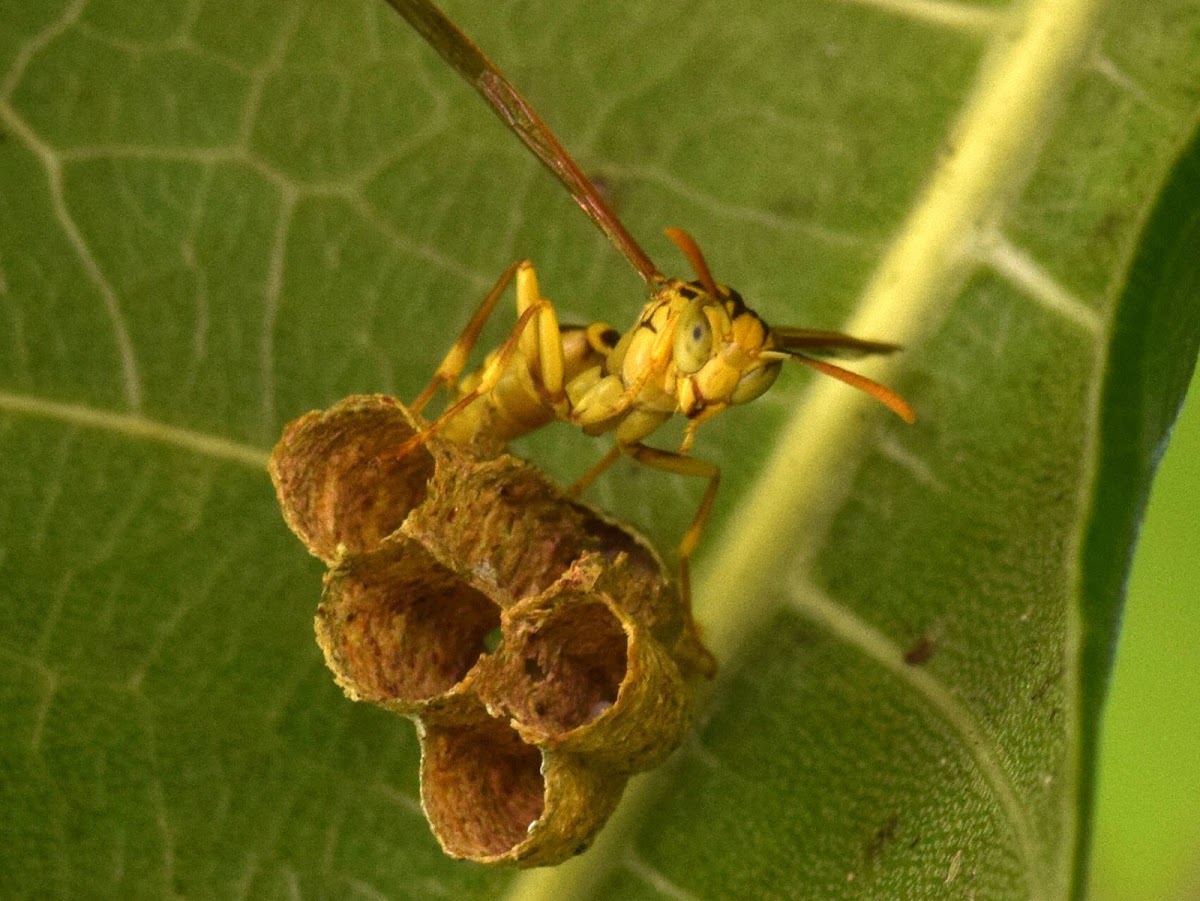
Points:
(1148, 809)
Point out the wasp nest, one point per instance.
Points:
(540, 648)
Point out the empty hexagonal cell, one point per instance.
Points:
(481, 786)
(398, 627)
(341, 486)
(577, 675)
(564, 668)
(494, 798)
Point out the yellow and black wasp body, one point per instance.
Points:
(695, 350)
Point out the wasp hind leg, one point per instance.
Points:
(533, 309)
(455, 360)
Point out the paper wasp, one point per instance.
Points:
(695, 350)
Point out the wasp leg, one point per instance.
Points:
(542, 345)
(669, 461)
(491, 376)
(456, 360)
(581, 483)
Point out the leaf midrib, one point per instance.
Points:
(996, 138)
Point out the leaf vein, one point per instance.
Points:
(37, 43)
(262, 73)
(650, 875)
(998, 135)
(271, 297)
(735, 212)
(1104, 66)
(1018, 267)
(960, 16)
(91, 266)
(137, 427)
(838, 619)
(45, 702)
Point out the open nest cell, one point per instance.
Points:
(540, 646)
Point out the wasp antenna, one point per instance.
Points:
(690, 249)
(881, 393)
(522, 119)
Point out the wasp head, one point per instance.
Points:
(723, 352)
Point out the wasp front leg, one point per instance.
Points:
(669, 461)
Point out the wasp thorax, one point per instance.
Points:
(540, 647)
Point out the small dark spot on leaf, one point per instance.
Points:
(1039, 693)
(921, 650)
(882, 838)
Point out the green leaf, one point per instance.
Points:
(1150, 338)
(1147, 841)
(214, 217)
